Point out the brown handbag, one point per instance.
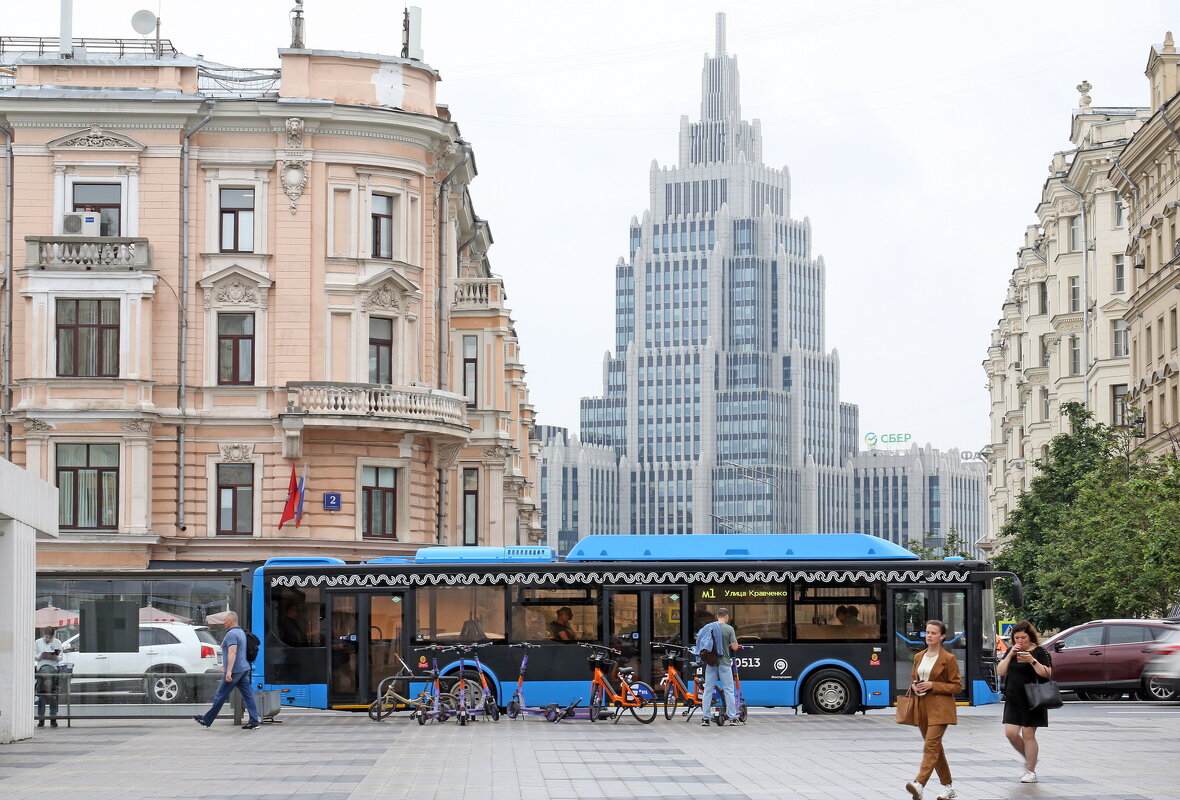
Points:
(907, 709)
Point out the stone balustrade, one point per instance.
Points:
(478, 293)
(375, 400)
(87, 252)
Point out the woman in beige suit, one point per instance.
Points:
(935, 680)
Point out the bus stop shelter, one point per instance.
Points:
(28, 511)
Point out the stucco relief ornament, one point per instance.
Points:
(95, 137)
(294, 177)
(236, 292)
(384, 297)
(496, 452)
(445, 455)
(34, 425)
(1084, 89)
(238, 452)
(294, 133)
(137, 426)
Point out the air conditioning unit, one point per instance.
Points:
(81, 223)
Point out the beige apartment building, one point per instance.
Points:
(1063, 335)
(1147, 176)
(215, 276)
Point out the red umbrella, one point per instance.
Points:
(54, 617)
(153, 614)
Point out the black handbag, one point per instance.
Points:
(1045, 695)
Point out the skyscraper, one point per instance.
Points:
(720, 398)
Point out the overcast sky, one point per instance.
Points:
(918, 134)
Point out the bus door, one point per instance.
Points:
(911, 607)
(635, 618)
(367, 642)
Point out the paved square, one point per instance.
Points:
(1114, 751)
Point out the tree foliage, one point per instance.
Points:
(953, 545)
(1097, 534)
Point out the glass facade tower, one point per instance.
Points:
(719, 396)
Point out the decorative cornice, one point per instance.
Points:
(237, 452)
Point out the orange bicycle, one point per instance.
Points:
(634, 695)
(676, 693)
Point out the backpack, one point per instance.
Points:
(252, 644)
(708, 648)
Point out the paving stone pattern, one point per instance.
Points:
(1114, 751)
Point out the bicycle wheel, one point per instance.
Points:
(597, 697)
(379, 710)
(491, 710)
(646, 711)
(513, 708)
(672, 701)
(743, 712)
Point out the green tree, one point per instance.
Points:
(954, 545)
(1097, 532)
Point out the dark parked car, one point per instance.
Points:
(1104, 659)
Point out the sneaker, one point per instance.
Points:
(200, 721)
(733, 722)
(53, 723)
(947, 793)
(1029, 777)
(915, 789)
(41, 723)
(251, 725)
(705, 722)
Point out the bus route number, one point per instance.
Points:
(747, 663)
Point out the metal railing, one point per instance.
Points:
(50, 46)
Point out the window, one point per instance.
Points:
(1147, 346)
(1075, 233)
(1119, 269)
(1120, 337)
(471, 369)
(1044, 404)
(470, 506)
(1075, 294)
(235, 499)
(106, 199)
(1086, 637)
(535, 610)
(237, 220)
(1118, 402)
(1120, 212)
(1075, 355)
(837, 613)
(1128, 634)
(379, 502)
(1172, 327)
(1044, 349)
(235, 349)
(1043, 297)
(460, 613)
(380, 350)
(88, 338)
(382, 210)
(88, 485)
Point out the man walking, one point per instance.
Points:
(721, 638)
(237, 675)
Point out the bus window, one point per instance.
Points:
(541, 615)
(838, 613)
(460, 613)
(758, 611)
(299, 612)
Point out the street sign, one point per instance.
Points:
(332, 501)
(1006, 627)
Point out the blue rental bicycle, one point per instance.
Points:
(518, 708)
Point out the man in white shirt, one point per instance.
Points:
(47, 656)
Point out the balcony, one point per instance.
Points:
(478, 294)
(410, 409)
(104, 253)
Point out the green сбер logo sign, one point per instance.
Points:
(871, 439)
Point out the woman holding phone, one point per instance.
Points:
(1027, 662)
(935, 679)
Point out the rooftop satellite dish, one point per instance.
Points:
(144, 22)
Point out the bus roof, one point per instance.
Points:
(738, 546)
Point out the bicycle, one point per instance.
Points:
(517, 707)
(389, 700)
(486, 704)
(675, 691)
(633, 694)
(717, 712)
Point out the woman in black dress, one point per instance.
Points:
(1026, 662)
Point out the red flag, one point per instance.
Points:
(292, 500)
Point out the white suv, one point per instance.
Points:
(171, 648)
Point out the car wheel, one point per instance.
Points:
(1081, 695)
(830, 691)
(1155, 689)
(166, 686)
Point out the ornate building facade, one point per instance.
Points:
(215, 278)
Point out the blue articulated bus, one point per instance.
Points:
(832, 620)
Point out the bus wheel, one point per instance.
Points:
(830, 691)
